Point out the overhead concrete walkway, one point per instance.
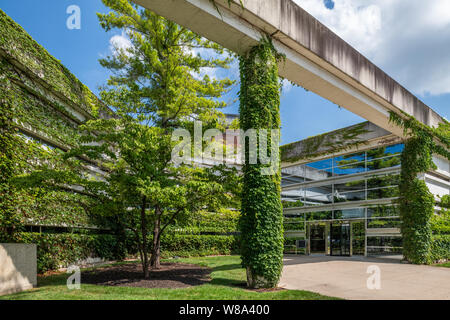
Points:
(316, 58)
(346, 277)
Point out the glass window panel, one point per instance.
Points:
(383, 223)
(383, 211)
(314, 174)
(385, 151)
(350, 169)
(318, 195)
(350, 191)
(350, 196)
(384, 245)
(350, 186)
(327, 189)
(294, 174)
(358, 237)
(319, 215)
(291, 203)
(291, 224)
(383, 193)
(383, 181)
(289, 180)
(318, 200)
(349, 159)
(349, 213)
(395, 149)
(293, 193)
(382, 163)
(322, 164)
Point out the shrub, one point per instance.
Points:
(198, 245)
(61, 250)
(440, 248)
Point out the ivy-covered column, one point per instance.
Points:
(261, 223)
(416, 202)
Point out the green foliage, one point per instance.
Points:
(292, 204)
(36, 93)
(417, 202)
(61, 250)
(154, 79)
(294, 224)
(261, 223)
(220, 222)
(19, 45)
(8, 162)
(440, 222)
(440, 248)
(213, 2)
(173, 244)
(153, 90)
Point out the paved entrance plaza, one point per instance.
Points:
(346, 277)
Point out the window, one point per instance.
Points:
(349, 213)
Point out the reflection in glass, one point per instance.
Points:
(319, 215)
(349, 169)
(297, 223)
(317, 238)
(383, 223)
(292, 175)
(384, 245)
(318, 195)
(349, 213)
(350, 191)
(383, 211)
(322, 164)
(340, 239)
(358, 238)
(349, 159)
(366, 186)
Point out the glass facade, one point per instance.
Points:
(345, 204)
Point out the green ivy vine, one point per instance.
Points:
(8, 158)
(261, 222)
(416, 202)
(19, 45)
(36, 94)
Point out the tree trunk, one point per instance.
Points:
(144, 239)
(156, 250)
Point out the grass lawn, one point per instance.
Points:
(445, 265)
(227, 274)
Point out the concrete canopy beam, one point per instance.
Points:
(316, 58)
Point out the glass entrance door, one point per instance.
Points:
(317, 238)
(340, 239)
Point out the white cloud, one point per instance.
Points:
(408, 39)
(286, 86)
(119, 43)
(214, 73)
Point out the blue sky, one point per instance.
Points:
(303, 113)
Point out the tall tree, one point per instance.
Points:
(143, 186)
(157, 85)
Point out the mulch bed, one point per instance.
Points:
(171, 275)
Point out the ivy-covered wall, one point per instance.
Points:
(42, 105)
(20, 50)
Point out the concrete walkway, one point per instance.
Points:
(346, 277)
